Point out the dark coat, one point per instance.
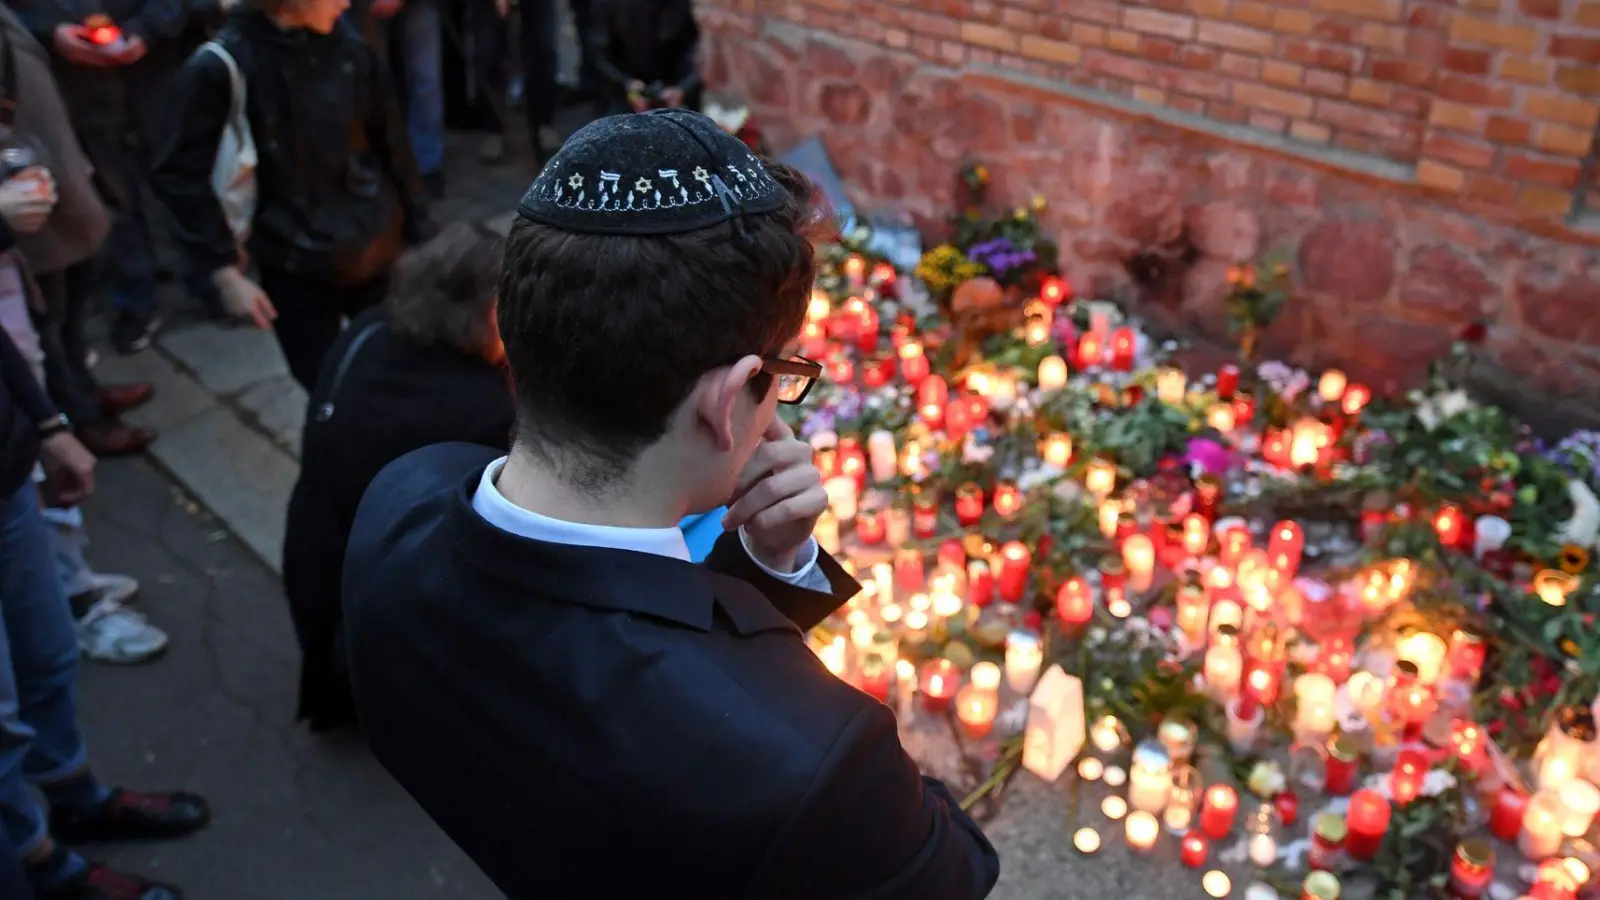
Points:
(338, 189)
(656, 42)
(392, 398)
(80, 220)
(589, 722)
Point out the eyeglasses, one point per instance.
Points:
(795, 375)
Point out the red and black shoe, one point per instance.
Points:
(132, 816)
(101, 883)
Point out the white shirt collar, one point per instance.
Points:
(495, 509)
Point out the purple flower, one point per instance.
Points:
(1000, 256)
(1210, 456)
(819, 420)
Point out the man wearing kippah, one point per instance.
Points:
(583, 710)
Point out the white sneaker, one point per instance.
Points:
(119, 589)
(112, 633)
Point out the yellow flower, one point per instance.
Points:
(1574, 559)
(981, 173)
(1020, 214)
(1568, 646)
(1039, 203)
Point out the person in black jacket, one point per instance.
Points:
(533, 655)
(646, 53)
(40, 741)
(338, 190)
(423, 369)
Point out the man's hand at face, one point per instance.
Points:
(778, 499)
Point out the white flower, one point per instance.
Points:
(1584, 526)
(1266, 780)
(1454, 404)
(1437, 782)
(974, 452)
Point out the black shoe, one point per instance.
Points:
(101, 883)
(434, 182)
(131, 333)
(132, 816)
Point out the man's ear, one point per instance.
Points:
(719, 395)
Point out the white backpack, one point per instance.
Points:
(233, 177)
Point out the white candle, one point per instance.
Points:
(1314, 709)
(1024, 656)
(1489, 533)
(841, 491)
(1541, 827)
(1263, 850)
(1426, 651)
(1087, 840)
(1106, 734)
(1580, 801)
(1216, 884)
(897, 526)
(1004, 395)
(1114, 807)
(882, 456)
(1149, 778)
(1116, 776)
(1331, 387)
(1366, 693)
(1052, 373)
(1178, 817)
(1224, 666)
(1171, 385)
(1090, 769)
(985, 676)
(833, 655)
(1142, 830)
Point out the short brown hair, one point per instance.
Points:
(443, 290)
(606, 335)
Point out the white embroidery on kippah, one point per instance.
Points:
(568, 190)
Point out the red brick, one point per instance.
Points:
(1019, 19)
(1553, 107)
(1105, 12)
(1551, 170)
(1385, 10)
(1583, 49)
(1473, 30)
(1324, 56)
(1151, 21)
(1228, 112)
(1186, 103)
(1258, 14)
(1240, 66)
(1088, 35)
(1565, 141)
(1127, 68)
(1409, 102)
(1473, 92)
(1348, 116)
(1194, 57)
(1160, 49)
(1508, 130)
(898, 38)
(1489, 189)
(1470, 62)
(1545, 201)
(1382, 37)
(1579, 79)
(1208, 9)
(1528, 71)
(1339, 31)
(1439, 176)
(1321, 81)
(1540, 9)
(1294, 21)
(1459, 151)
(952, 52)
(1267, 121)
(1273, 100)
(1403, 71)
(1235, 37)
(1310, 131)
(990, 36)
(1589, 14)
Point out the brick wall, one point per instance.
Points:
(1426, 162)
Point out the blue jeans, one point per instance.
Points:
(13, 880)
(418, 37)
(39, 736)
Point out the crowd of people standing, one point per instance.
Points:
(114, 116)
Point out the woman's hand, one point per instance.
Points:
(243, 299)
(27, 199)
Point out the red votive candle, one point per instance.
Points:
(957, 419)
(1368, 819)
(924, 514)
(1123, 344)
(980, 583)
(1007, 499)
(1227, 382)
(1194, 849)
(870, 527)
(1405, 782)
(1344, 764)
(1218, 810)
(969, 504)
(914, 366)
(1015, 559)
(1091, 351)
(1451, 524)
(940, 680)
(1506, 814)
(1074, 604)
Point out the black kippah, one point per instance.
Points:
(666, 171)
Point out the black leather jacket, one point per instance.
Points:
(338, 189)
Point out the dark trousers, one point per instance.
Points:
(66, 351)
(540, 61)
(311, 315)
(489, 56)
(128, 254)
(13, 881)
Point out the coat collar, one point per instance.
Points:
(605, 578)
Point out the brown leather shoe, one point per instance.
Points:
(116, 399)
(114, 438)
